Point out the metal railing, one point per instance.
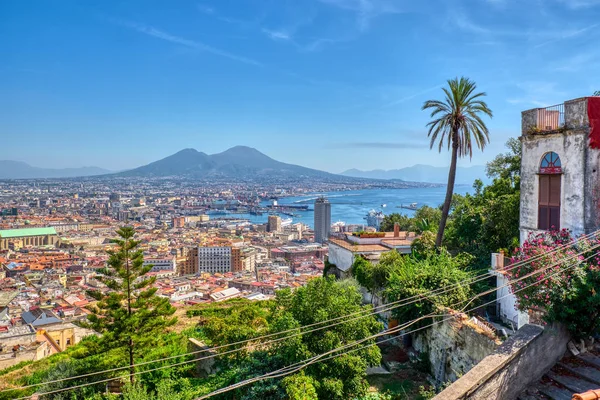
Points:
(550, 118)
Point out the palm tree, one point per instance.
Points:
(457, 121)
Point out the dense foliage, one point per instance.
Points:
(416, 275)
(341, 377)
(425, 219)
(560, 278)
(322, 299)
(487, 221)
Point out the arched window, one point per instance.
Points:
(550, 164)
(549, 195)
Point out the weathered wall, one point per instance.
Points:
(571, 147)
(24, 340)
(592, 194)
(206, 366)
(576, 113)
(518, 362)
(8, 360)
(454, 348)
(35, 352)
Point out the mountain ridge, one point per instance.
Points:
(238, 161)
(10, 169)
(423, 173)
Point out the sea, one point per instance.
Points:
(352, 206)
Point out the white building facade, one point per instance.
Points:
(214, 259)
(162, 264)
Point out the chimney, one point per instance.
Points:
(396, 230)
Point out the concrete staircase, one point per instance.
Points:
(572, 374)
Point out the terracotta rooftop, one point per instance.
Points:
(358, 247)
(398, 241)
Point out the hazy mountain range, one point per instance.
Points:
(21, 170)
(424, 173)
(237, 162)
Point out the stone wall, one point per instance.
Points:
(34, 352)
(576, 113)
(206, 366)
(518, 362)
(528, 120)
(454, 347)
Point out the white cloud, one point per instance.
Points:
(365, 10)
(537, 94)
(462, 21)
(568, 34)
(577, 4)
(575, 63)
(159, 34)
(413, 95)
(276, 34)
(206, 9)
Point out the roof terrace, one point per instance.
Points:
(570, 115)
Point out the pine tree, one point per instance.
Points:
(130, 315)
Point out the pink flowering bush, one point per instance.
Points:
(554, 273)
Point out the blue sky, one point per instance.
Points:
(328, 84)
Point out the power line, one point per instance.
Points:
(287, 371)
(383, 308)
(387, 332)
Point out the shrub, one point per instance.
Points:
(563, 280)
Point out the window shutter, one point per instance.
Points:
(549, 202)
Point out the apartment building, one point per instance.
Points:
(214, 259)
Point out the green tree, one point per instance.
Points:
(427, 218)
(300, 387)
(322, 299)
(507, 165)
(371, 276)
(419, 276)
(130, 315)
(457, 121)
(424, 245)
(387, 224)
(488, 220)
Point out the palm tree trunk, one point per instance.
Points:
(449, 190)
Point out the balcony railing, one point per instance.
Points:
(571, 115)
(549, 119)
